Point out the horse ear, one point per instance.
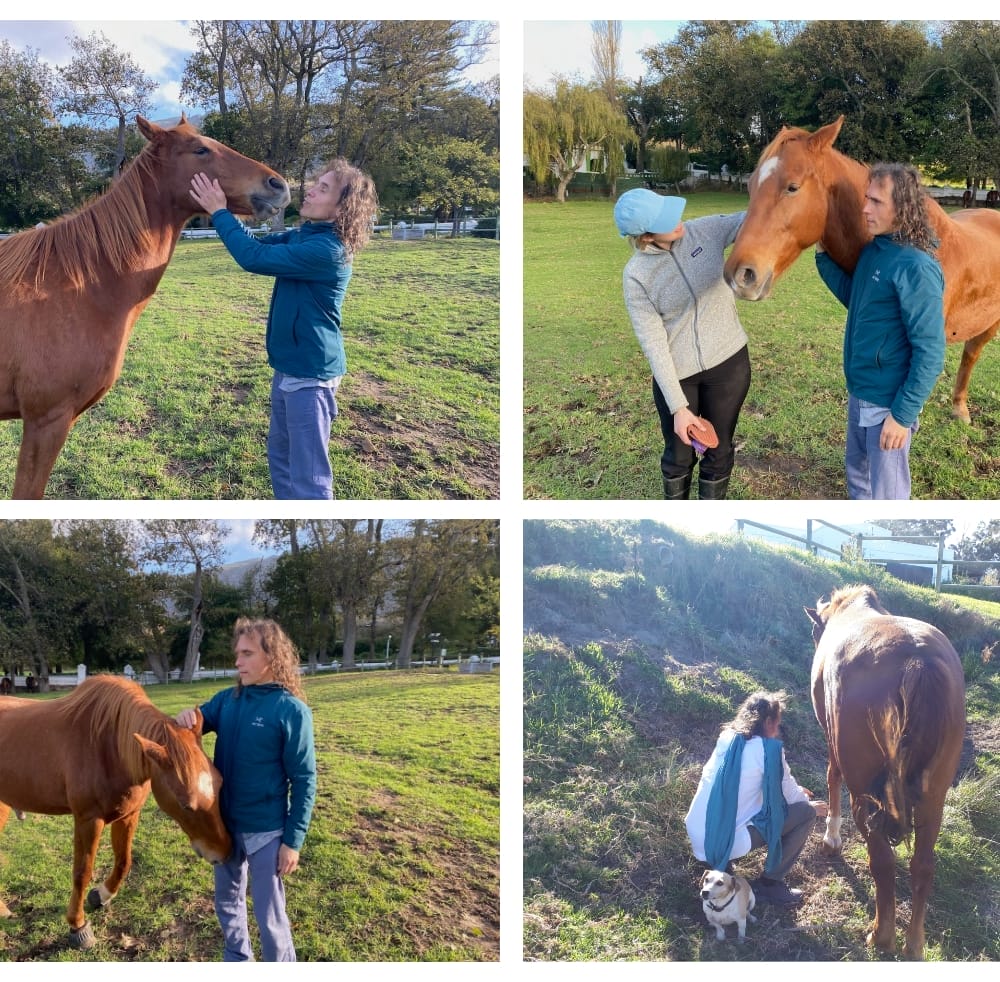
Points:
(184, 118)
(199, 725)
(813, 615)
(154, 751)
(146, 128)
(823, 138)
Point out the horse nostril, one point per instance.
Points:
(276, 183)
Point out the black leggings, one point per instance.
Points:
(717, 394)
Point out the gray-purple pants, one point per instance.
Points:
(268, 892)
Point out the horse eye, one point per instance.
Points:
(202, 151)
(793, 188)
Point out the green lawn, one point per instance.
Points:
(401, 862)
(419, 407)
(590, 428)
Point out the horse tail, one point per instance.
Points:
(910, 733)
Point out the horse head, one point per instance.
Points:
(797, 182)
(186, 786)
(862, 596)
(251, 188)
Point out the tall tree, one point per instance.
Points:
(194, 545)
(562, 129)
(27, 569)
(606, 54)
(348, 561)
(30, 145)
(104, 84)
(453, 175)
(434, 557)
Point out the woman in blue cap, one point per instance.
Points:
(684, 316)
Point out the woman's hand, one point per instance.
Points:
(187, 718)
(208, 194)
(683, 418)
(288, 860)
(894, 435)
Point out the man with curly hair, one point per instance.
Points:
(312, 265)
(894, 340)
(264, 751)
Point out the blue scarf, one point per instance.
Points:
(720, 819)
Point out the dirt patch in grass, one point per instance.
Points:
(380, 433)
(456, 905)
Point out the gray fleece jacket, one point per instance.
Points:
(683, 313)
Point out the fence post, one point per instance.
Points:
(940, 561)
(809, 536)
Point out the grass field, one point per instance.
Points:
(590, 428)
(630, 669)
(419, 407)
(401, 862)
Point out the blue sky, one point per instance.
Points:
(563, 48)
(160, 47)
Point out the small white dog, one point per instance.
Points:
(726, 900)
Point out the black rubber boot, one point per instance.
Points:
(677, 488)
(713, 490)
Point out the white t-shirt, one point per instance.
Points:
(751, 796)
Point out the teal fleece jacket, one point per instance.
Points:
(312, 270)
(265, 754)
(894, 339)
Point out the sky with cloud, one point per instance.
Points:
(161, 48)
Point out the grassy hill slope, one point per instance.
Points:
(639, 644)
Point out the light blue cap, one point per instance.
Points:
(641, 210)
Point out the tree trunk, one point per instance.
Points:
(197, 628)
(350, 635)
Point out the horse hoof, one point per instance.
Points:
(887, 945)
(831, 850)
(82, 937)
(94, 901)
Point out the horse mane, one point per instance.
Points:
(110, 230)
(109, 705)
(847, 596)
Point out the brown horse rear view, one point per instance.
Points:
(96, 754)
(889, 693)
(71, 292)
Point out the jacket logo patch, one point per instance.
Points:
(697, 252)
(258, 721)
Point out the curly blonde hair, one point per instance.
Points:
(355, 218)
(909, 199)
(282, 655)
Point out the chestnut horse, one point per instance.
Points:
(889, 693)
(96, 754)
(70, 292)
(803, 191)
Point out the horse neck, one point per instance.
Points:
(845, 234)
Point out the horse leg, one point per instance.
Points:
(4, 815)
(832, 843)
(122, 833)
(86, 836)
(40, 445)
(882, 863)
(927, 821)
(970, 355)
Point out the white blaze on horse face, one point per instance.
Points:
(206, 786)
(766, 169)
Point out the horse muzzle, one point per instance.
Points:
(271, 201)
(747, 283)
